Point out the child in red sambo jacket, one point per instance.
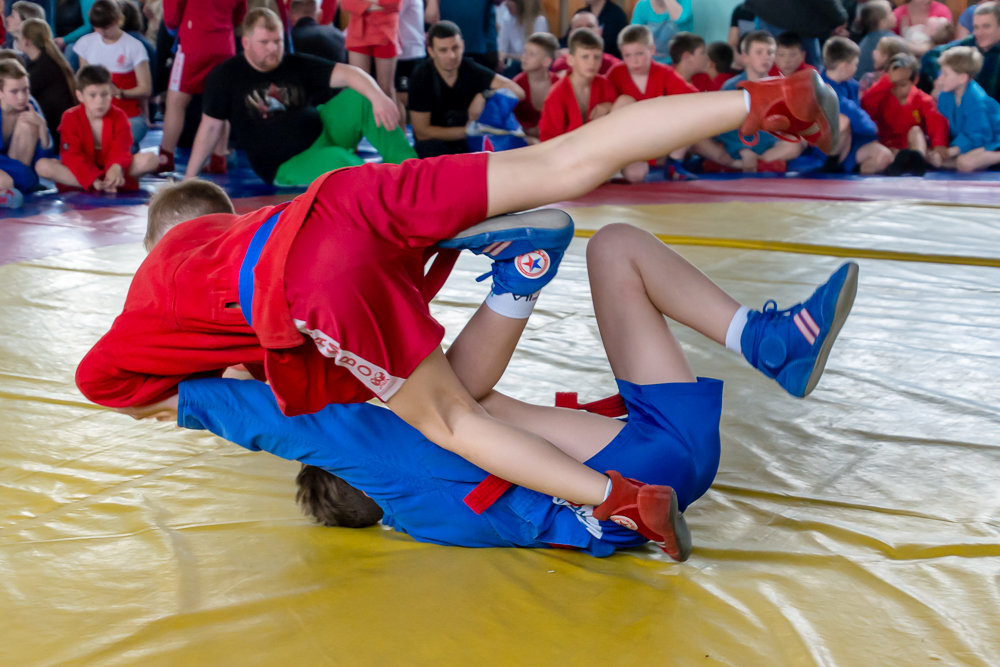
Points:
(96, 141)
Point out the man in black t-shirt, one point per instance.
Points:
(446, 93)
(265, 95)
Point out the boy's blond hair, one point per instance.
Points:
(585, 38)
(179, 203)
(11, 68)
(962, 60)
(635, 34)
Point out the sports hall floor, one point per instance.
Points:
(860, 526)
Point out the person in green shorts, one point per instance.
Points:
(268, 95)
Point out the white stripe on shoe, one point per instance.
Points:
(807, 326)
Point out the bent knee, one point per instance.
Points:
(616, 241)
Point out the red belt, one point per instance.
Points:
(490, 489)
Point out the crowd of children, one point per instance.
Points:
(903, 109)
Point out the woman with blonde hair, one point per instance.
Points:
(49, 75)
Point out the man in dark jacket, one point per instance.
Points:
(312, 38)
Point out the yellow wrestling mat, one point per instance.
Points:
(857, 527)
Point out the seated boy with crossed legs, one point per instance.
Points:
(96, 141)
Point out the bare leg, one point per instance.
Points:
(636, 172)
(573, 164)
(173, 119)
(23, 140)
(783, 150)
(916, 140)
(360, 60)
(142, 164)
(434, 401)
(385, 75)
(976, 159)
(6, 182)
(480, 353)
(54, 170)
(716, 152)
(636, 280)
(222, 145)
(873, 158)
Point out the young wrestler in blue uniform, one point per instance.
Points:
(671, 435)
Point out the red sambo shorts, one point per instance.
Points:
(193, 65)
(354, 277)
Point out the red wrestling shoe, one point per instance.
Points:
(166, 162)
(216, 165)
(798, 106)
(649, 510)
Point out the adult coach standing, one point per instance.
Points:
(265, 95)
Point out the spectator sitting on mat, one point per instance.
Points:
(265, 94)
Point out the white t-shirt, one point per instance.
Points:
(120, 57)
(411, 30)
(510, 36)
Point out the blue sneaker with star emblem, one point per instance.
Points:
(513, 234)
(792, 345)
(526, 248)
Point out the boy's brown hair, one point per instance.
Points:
(105, 13)
(584, 38)
(962, 60)
(179, 203)
(635, 34)
(546, 42)
(762, 36)
(721, 54)
(839, 50)
(333, 502)
(892, 45)
(684, 42)
(871, 13)
(92, 75)
(11, 68)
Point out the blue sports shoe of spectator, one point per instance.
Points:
(792, 345)
(11, 198)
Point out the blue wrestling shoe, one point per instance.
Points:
(792, 345)
(526, 248)
(513, 234)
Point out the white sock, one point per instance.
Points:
(607, 490)
(511, 305)
(735, 331)
(746, 98)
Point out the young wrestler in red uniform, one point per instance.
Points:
(335, 297)
(639, 77)
(583, 95)
(205, 38)
(535, 80)
(907, 117)
(95, 141)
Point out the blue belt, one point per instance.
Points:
(257, 243)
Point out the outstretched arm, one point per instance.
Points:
(383, 108)
(209, 131)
